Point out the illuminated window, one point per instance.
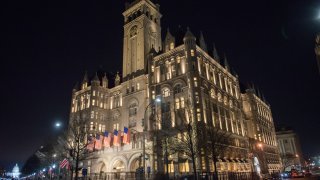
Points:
(182, 102)
(92, 114)
(116, 126)
(152, 68)
(100, 128)
(192, 52)
(171, 45)
(153, 95)
(91, 126)
(103, 128)
(177, 103)
(178, 59)
(93, 102)
(101, 105)
(138, 86)
(198, 114)
(195, 82)
(93, 93)
(165, 92)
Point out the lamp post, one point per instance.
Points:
(143, 133)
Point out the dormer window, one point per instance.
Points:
(171, 45)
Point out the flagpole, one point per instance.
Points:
(59, 173)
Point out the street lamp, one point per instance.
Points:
(57, 125)
(144, 129)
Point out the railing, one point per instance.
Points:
(201, 176)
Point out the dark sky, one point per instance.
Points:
(47, 45)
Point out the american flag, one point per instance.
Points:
(106, 139)
(90, 145)
(64, 163)
(98, 142)
(126, 136)
(116, 138)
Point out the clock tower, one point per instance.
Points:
(142, 31)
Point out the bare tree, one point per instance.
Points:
(185, 143)
(73, 144)
(218, 142)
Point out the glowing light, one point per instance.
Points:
(53, 166)
(158, 100)
(58, 124)
(44, 169)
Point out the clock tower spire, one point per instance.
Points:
(142, 31)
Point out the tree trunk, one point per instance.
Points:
(193, 161)
(77, 161)
(215, 176)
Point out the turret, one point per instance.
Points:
(226, 64)
(95, 81)
(75, 88)
(105, 81)
(190, 48)
(85, 80)
(169, 42)
(117, 80)
(215, 54)
(202, 42)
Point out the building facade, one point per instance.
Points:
(289, 148)
(261, 133)
(184, 76)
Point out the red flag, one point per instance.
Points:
(116, 138)
(126, 136)
(64, 163)
(106, 139)
(90, 145)
(98, 142)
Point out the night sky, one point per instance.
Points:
(46, 46)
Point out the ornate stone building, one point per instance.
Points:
(181, 73)
(261, 133)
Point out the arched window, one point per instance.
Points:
(212, 93)
(133, 108)
(177, 89)
(165, 92)
(177, 103)
(133, 31)
(182, 102)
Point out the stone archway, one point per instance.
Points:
(103, 168)
(118, 166)
(135, 164)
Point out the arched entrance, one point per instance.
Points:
(135, 164)
(118, 166)
(103, 168)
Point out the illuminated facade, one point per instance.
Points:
(180, 72)
(261, 133)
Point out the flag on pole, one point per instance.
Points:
(116, 138)
(90, 145)
(126, 136)
(98, 142)
(107, 139)
(64, 163)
